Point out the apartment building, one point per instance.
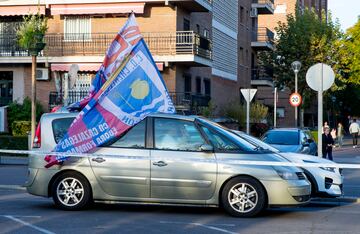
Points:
(79, 32)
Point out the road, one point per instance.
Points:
(24, 213)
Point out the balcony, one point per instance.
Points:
(264, 7)
(194, 5)
(262, 39)
(262, 76)
(183, 101)
(182, 46)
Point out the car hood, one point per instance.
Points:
(295, 157)
(287, 148)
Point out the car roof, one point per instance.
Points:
(285, 130)
(58, 115)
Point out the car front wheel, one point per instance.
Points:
(71, 191)
(243, 197)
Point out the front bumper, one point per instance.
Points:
(287, 192)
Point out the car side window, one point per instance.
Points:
(60, 127)
(133, 138)
(220, 142)
(173, 134)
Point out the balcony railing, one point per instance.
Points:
(181, 100)
(80, 44)
(263, 37)
(264, 6)
(261, 73)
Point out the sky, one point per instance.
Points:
(347, 11)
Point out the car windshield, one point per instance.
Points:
(243, 144)
(256, 141)
(281, 138)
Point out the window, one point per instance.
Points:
(206, 33)
(77, 28)
(187, 83)
(133, 138)
(198, 85)
(281, 138)
(60, 128)
(172, 134)
(186, 25)
(220, 142)
(242, 16)
(303, 138)
(198, 28)
(207, 87)
(280, 112)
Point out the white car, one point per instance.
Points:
(325, 181)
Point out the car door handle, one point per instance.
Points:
(98, 160)
(160, 164)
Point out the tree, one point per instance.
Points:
(30, 37)
(348, 65)
(307, 38)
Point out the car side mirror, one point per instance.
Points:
(207, 148)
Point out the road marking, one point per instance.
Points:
(205, 226)
(42, 230)
(12, 186)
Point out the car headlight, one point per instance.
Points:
(287, 175)
(331, 169)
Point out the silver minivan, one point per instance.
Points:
(166, 159)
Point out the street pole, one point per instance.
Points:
(33, 97)
(248, 114)
(296, 108)
(275, 107)
(320, 113)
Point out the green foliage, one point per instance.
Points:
(258, 112)
(31, 31)
(12, 142)
(22, 112)
(306, 38)
(348, 65)
(237, 111)
(20, 128)
(208, 111)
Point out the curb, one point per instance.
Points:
(336, 200)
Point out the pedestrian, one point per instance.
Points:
(328, 143)
(354, 130)
(325, 126)
(340, 134)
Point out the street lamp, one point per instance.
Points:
(296, 65)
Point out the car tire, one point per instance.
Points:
(71, 191)
(243, 197)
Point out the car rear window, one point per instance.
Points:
(282, 138)
(60, 127)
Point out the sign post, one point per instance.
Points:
(248, 95)
(320, 77)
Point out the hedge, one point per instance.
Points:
(20, 128)
(13, 143)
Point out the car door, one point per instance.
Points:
(180, 170)
(127, 174)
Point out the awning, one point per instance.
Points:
(103, 8)
(21, 10)
(87, 66)
(82, 66)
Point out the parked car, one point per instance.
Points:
(325, 181)
(179, 160)
(291, 140)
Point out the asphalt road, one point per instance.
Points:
(24, 213)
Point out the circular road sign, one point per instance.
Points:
(295, 99)
(318, 72)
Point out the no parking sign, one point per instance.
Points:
(295, 99)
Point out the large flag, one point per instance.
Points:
(125, 40)
(135, 90)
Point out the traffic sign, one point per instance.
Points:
(318, 73)
(248, 94)
(295, 99)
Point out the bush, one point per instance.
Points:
(22, 112)
(20, 128)
(258, 129)
(14, 142)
